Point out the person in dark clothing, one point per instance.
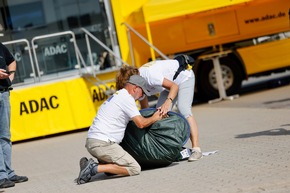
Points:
(8, 178)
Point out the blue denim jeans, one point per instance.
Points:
(5, 142)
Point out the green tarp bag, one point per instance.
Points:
(159, 144)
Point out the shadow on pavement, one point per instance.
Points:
(273, 132)
(277, 101)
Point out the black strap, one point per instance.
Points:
(183, 61)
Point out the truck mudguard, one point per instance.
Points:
(159, 144)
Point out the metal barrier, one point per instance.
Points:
(44, 66)
(108, 91)
(101, 44)
(143, 39)
(58, 48)
(28, 49)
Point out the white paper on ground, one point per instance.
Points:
(186, 152)
(209, 153)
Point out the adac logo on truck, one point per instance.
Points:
(98, 92)
(54, 50)
(34, 106)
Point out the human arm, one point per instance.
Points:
(12, 69)
(173, 90)
(10, 64)
(3, 74)
(143, 122)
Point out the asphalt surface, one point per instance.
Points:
(251, 134)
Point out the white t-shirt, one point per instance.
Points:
(154, 73)
(113, 116)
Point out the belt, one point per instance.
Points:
(5, 89)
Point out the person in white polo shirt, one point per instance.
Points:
(175, 81)
(108, 129)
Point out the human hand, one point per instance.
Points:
(163, 109)
(3, 74)
(157, 115)
(165, 116)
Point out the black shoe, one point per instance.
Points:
(5, 183)
(83, 162)
(87, 172)
(18, 179)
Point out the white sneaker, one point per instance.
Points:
(195, 155)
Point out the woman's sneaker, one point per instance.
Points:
(195, 155)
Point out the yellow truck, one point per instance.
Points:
(250, 37)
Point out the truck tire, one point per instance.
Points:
(206, 79)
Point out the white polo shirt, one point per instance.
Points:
(113, 116)
(155, 72)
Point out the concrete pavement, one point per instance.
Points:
(251, 134)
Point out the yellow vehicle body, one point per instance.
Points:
(266, 57)
(199, 28)
(173, 33)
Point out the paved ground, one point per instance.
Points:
(251, 134)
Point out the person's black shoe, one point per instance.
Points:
(83, 162)
(89, 170)
(18, 179)
(5, 183)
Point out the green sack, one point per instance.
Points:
(159, 144)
